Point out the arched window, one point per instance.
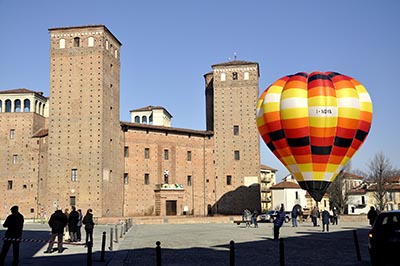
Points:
(137, 119)
(27, 105)
(40, 108)
(17, 106)
(116, 53)
(246, 75)
(90, 41)
(107, 44)
(62, 43)
(223, 76)
(151, 119)
(43, 109)
(144, 119)
(8, 106)
(1, 106)
(77, 42)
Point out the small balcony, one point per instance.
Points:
(169, 187)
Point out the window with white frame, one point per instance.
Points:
(15, 158)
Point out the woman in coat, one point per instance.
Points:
(89, 225)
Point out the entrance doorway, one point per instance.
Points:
(171, 207)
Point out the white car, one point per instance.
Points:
(270, 216)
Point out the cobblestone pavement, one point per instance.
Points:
(206, 244)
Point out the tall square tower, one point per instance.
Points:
(231, 99)
(85, 156)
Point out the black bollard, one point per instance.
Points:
(158, 253)
(232, 253)
(89, 253)
(103, 247)
(281, 252)
(355, 236)
(116, 233)
(111, 239)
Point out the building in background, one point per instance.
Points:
(267, 180)
(72, 149)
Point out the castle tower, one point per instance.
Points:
(85, 154)
(231, 98)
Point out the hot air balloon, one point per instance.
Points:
(314, 123)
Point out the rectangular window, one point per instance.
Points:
(74, 175)
(189, 180)
(72, 200)
(236, 130)
(189, 155)
(126, 178)
(146, 153)
(9, 184)
(126, 151)
(229, 180)
(146, 179)
(237, 155)
(297, 195)
(15, 158)
(166, 155)
(12, 133)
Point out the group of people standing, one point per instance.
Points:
(72, 222)
(326, 217)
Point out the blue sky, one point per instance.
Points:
(169, 45)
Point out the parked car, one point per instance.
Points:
(270, 216)
(384, 238)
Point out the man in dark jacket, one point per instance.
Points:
(57, 222)
(278, 222)
(73, 220)
(14, 224)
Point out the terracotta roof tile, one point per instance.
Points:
(285, 184)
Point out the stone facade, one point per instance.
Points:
(77, 152)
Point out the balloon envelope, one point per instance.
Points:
(314, 123)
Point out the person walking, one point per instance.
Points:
(73, 220)
(278, 222)
(335, 216)
(325, 220)
(89, 225)
(14, 224)
(314, 216)
(78, 232)
(57, 222)
(294, 215)
(254, 217)
(372, 214)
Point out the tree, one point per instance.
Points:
(379, 170)
(338, 191)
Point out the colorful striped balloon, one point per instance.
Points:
(314, 123)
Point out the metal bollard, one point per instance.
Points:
(158, 253)
(355, 236)
(111, 239)
(232, 253)
(103, 247)
(281, 252)
(116, 233)
(89, 253)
